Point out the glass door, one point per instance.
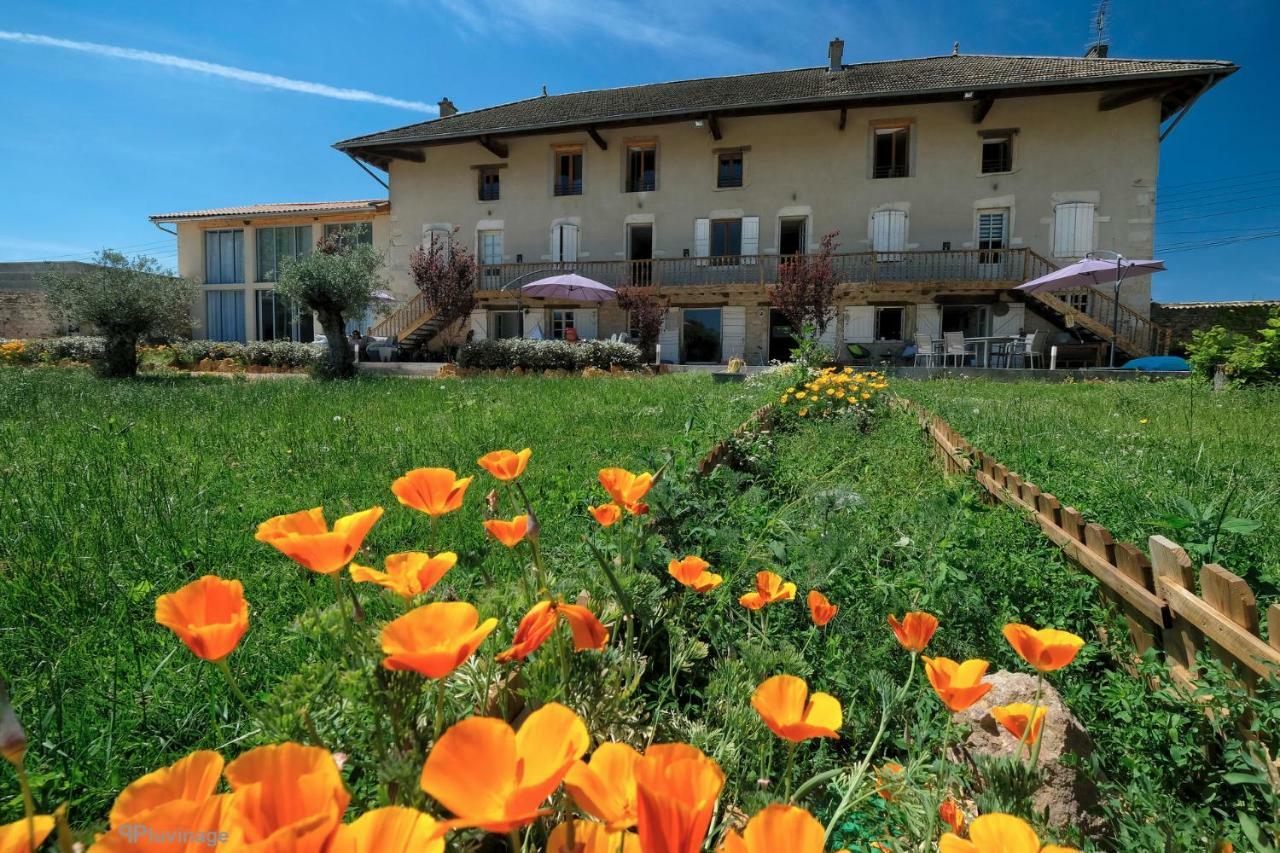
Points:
(702, 335)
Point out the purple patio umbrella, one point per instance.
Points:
(569, 286)
(1093, 272)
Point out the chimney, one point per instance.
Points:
(447, 108)
(835, 55)
(1098, 50)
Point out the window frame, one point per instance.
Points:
(296, 320)
(487, 190)
(741, 155)
(574, 185)
(360, 226)
(273, 233)
(993, 137)
(629, 150)
(987, 253)
(1073, 248)
(237, 259)
(564, 319)
(713, 226)
(894, 169)
(902, 323)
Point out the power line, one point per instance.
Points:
(1221, 200)
(1230, 185)
(1219, 213)
(1212, 244)
(1228, 178)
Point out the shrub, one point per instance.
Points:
(69, 348)
(1244, 360)
(549, 355)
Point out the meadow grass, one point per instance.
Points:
(112, 493)
(1126, 454)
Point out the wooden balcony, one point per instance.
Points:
(1000, 267)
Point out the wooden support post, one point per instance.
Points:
(1231, 596)
(1172, 568)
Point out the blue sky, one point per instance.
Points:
(93, 143)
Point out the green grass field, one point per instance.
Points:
(112, 493)
(1127, 454)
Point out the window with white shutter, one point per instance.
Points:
(564, 243)
(750, 244)
(1073, 229)
(438, 233)
(701, 238)
(889, 234)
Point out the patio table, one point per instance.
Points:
(986, 342)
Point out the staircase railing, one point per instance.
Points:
(410, 315)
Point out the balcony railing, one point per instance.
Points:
(998, 266)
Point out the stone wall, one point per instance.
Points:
(25, 314)
(1186, 317)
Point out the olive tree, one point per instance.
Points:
(337, 282)
(125, 300)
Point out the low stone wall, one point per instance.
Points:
(1185, 317)
(25, 314)
(1003, 374)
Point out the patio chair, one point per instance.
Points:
(925, 351)
(954, 347)
(1020, 352)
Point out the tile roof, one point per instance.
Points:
(936, 77)
(277, 209)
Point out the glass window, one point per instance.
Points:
(504, 324)
(224, 315)
(354, 233)
(726, 238)
(490, 183)
(277, 320)
(892, 147)
(276, 245)
(729, 169)
(997, 154)
(642, 167)
(560, 321)
(889, 323)
(224, 257)
(568, 171)
(992, 228)
(491, 256)
(702, 335)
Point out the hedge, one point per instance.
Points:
(549, 355)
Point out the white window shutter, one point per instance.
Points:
(859, 324)
(1011, 323)
(584, 320)
(889, 234)
(1072, 230)
(669, 337)
(1084, 230)
(440, 232)
(535, 324)
(750, 238)
(479, 324)
(555, 243)
(733, 331)
(929, 320)
(828, 337)
(701, 238)
(564, 243)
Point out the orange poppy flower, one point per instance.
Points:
(305, 538)
(626, 488)
(191, 780)
(676, 791)
(1047, 649)
(888, 778)
(285, 797)
(606, 515)
(692, 572)
(950, 814)
(393, 829)
(591, 837)
(777, 827)
(770, 587)
(998, 833)
(821, 610)
(498, 779)
(509, 533)
(1017, 716)
(915, 630)
(16, 837)
(434, 640)
(958, 685)
(791, 713)
(435, 491)
(605, 787)
(409, 573)
(536, 626)
(505, 464)
(209, 615)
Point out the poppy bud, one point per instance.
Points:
(13, 740)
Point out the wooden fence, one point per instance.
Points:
(1156, 591)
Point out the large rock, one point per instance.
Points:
(1070, 797)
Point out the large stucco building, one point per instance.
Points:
(950, 180)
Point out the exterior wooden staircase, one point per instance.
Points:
(1092, 311)
(413, 324)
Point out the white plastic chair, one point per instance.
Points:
(925, 350)
(954, 347)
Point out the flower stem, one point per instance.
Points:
(28, 803)
(514, 838)
(225, 669)
(786, 776)
(440, 697)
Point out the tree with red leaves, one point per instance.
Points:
(646, 310)
(806, 291)
(445, 273)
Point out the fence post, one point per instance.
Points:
(1132, 562)
(1172, 566)
(1230, 595)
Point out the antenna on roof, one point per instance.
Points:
(544, 90)
(1100, 45)
(955, 48)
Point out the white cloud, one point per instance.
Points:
(227, 71)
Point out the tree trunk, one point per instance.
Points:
(339, 361)
(119, 357)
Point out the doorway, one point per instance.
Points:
(973, 320)
(781, 339)
(640, 253)
(791, 238)
(701, 335)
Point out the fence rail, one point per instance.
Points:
(1163, 606)
(1001, 266)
